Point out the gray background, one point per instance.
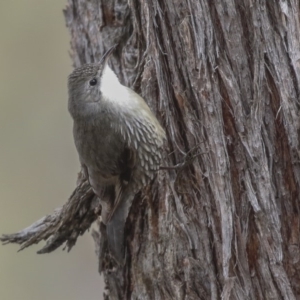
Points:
(38, 161)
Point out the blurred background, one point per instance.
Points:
(38, 161)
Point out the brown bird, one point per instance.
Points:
(119, 142)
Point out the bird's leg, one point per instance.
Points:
(188, 158)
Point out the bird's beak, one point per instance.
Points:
(106, 55)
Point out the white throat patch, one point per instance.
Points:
(110, 87)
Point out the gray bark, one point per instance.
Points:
(223, 78)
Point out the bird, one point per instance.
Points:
(119, 142)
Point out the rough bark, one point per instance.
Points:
(223, 77)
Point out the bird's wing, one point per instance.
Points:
(116, 219)
(126, 165)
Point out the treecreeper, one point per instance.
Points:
(119, 142)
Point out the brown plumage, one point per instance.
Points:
(118, 140)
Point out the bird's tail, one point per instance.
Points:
(116, 225)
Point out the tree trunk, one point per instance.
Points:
(223, 78)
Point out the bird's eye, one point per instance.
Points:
(93, 82)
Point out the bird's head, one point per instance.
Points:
(84, 85)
